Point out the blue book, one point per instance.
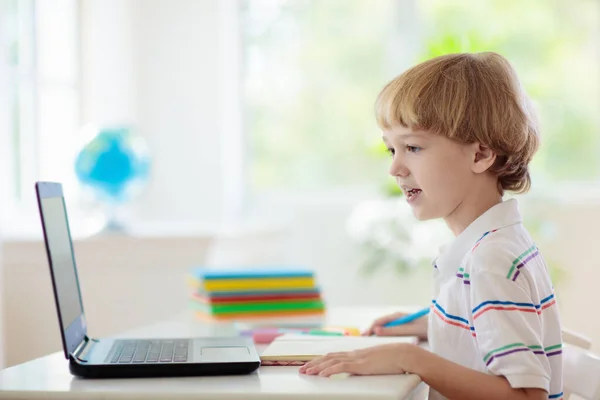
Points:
(250, 273)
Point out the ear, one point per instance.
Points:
(483, 158)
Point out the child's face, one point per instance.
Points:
(434, 172)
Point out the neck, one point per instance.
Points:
(471, 207)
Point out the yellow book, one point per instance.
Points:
(255, 284)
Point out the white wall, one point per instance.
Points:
(108, 76)
(158, 64)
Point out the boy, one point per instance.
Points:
(461, 132)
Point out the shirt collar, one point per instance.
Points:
(497, 217)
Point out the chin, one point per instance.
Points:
(425, 214)
(422, 215)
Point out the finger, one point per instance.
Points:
(403, 330)
(367, 332)
(340, 367)
(327, 357)
(343, 354)
(387, 318)
(381, 321)
(338, 354)
(316, 369)
(371, 330)
(311, 364)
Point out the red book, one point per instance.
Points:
(256, 299)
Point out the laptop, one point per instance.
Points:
(123, 358)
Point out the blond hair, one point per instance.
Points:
(468, 98)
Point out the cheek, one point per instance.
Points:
(442, 198)
(448, 181)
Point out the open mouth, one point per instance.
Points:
(411, 193)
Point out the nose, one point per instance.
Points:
(398, 168)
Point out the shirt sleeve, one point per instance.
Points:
(507, 326)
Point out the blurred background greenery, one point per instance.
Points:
(314, 69)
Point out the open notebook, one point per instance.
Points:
(294, 349)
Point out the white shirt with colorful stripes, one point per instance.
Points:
(494, 308)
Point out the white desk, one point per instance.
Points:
(49, 378)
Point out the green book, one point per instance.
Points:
(258, 308)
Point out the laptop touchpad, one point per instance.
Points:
(224, 353)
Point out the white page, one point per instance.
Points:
(309, 346)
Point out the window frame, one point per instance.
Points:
(23, 163)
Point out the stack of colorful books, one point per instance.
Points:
(234, 294)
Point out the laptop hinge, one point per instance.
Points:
(81, 352)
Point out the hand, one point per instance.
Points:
(396, 358)
(415, 328)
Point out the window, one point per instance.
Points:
(40, 53)
(555, 47)
(313, 69)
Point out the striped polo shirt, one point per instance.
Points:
(494, 307)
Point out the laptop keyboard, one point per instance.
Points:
(149, 351)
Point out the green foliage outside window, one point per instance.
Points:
(314, 68)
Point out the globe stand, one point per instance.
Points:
(115, 220)
(113, 226)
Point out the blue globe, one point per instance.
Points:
(113, 164)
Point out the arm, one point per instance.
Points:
(457, 382)
(450, 379)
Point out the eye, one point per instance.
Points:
(413, 149)
(391, 151)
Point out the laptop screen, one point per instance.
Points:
(62, 265)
